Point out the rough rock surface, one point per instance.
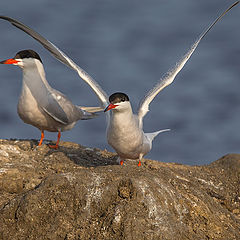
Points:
(81, 193)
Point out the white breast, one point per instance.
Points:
(30, 112)
(124, 135)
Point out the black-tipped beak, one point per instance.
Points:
(9, 61)
(110, 106)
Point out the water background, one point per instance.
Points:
(127, 46)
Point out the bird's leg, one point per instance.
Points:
(140, 158)
(42, 137)
(58, 139)
(120, 161)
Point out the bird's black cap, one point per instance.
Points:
(27, 54)
(118, 97)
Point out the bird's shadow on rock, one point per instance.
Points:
(84, 156)
(76, 153)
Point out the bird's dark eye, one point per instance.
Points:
(123, 100)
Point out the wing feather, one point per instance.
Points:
(169, 77)
(62, 57)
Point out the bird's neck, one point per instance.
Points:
(34, 80)
(122, 117)
(34, 77)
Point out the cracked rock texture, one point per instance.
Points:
(81, 193)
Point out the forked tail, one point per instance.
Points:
(151, 136)
(89, 112)
(92, 109)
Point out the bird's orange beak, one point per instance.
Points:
(110, 106)
(9, 61)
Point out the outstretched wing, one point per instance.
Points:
(62, 57)
(169, 77)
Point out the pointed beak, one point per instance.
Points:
(109, 107)
(9, 61)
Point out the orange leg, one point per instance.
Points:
(140, 158)
(42, 137)
(58, 139)
(121, 162)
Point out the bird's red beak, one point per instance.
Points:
(110, 106)
(9, 61)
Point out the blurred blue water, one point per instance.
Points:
(127, 46)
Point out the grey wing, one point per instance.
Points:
(62, 57)
(60, 108)
(169, 77)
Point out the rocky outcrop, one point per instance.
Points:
(81, 193)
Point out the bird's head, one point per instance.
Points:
(23, 59)
(118, 102)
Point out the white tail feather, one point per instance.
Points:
(92, 109)
(151, 136)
